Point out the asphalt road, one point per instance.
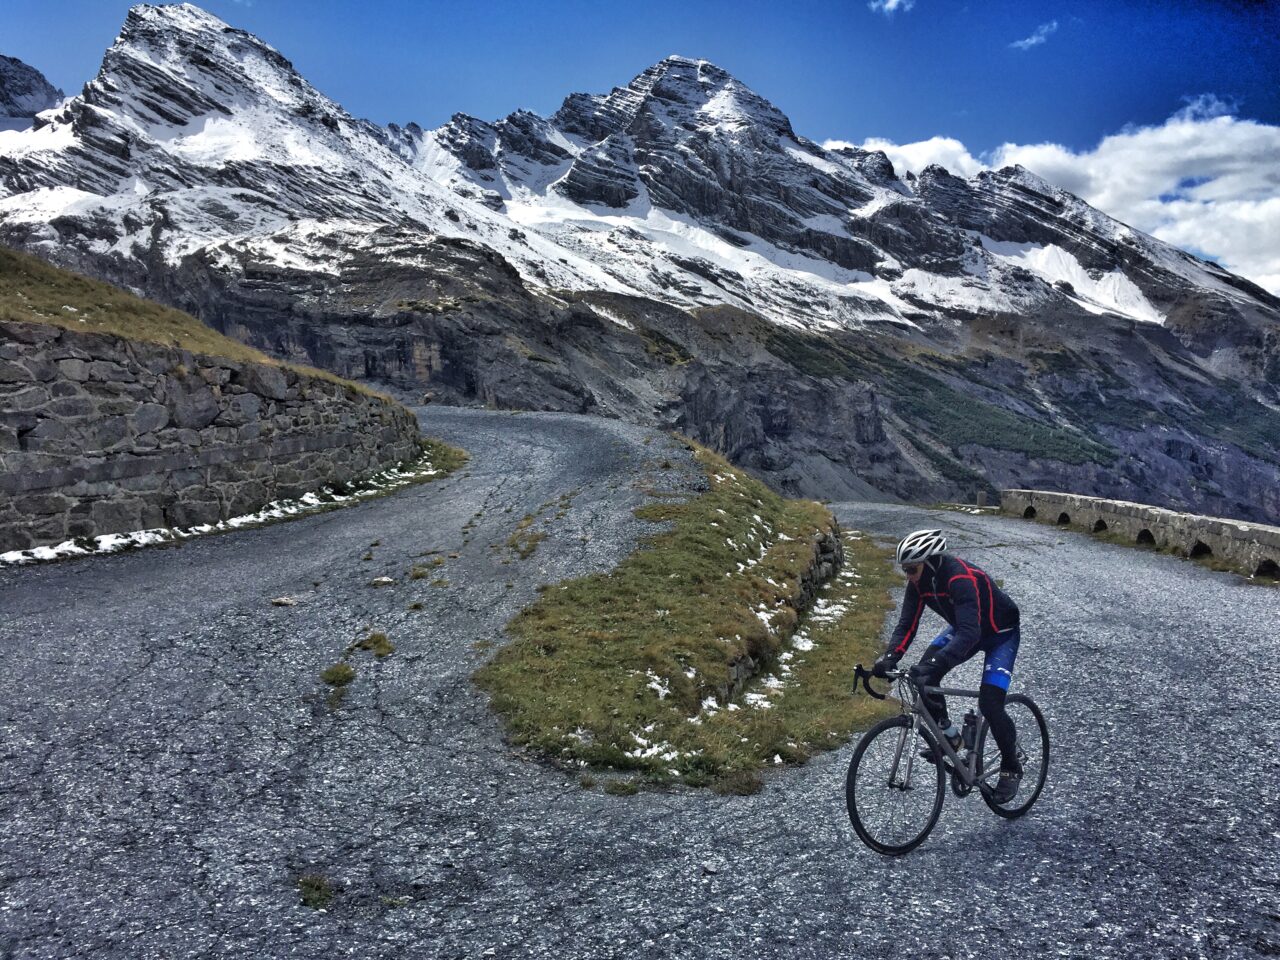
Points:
(169, 767)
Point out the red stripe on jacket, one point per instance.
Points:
(991, 598)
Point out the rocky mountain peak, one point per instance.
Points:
(24, 91)
(174, 63)
(1020, 176)
(676, 90)
(716, 96)
(173, 17)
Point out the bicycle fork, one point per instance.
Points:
(908, 734)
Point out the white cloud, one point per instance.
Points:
(1203, 180)
(889, 7)
(946, 151)
(1037, 38)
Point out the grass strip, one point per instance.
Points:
(631, 669)
(444, 458)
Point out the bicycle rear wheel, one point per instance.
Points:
(893, 794)
(1033, 754)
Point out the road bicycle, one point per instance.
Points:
(899, 771)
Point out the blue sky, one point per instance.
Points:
(838, 68)
(1162, 113)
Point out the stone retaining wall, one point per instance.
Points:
(828, 556)
(104, 435)
(1251, 548)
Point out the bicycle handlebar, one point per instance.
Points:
(865, 676)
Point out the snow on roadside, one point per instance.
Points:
(327, 498)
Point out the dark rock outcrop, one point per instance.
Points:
(24, 91)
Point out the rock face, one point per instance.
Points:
(24, 91)
(671, 252)
(103, 435)
(822, 415)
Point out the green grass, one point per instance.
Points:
(338, 675)
(621, 788)
(960, 420)
(958, 473)
(316, 890)
(32, 291)
(524, 539)
(615, 670)
(662, 348)
(1237, 418)
(376, 643)
(443, 457)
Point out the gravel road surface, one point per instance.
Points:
(169, 767)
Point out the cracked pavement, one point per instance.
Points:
(170, 768)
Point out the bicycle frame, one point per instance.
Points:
(914, 704)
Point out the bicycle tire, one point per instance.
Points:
(872, 761)
(1035, 744)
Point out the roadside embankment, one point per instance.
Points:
(723, 645)
(117, 415)
(1252, 549)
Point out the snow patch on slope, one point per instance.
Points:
(629, 241)
(1107, 292)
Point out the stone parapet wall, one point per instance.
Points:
(828, 557)
(104, 435)
(1251, 548)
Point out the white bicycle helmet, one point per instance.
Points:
(920, 546)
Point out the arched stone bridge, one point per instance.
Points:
(1251, 548)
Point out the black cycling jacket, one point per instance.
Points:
(962, 595)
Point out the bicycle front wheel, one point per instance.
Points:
(894, 795)
(1033, 753)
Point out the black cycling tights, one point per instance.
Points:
(990, 702)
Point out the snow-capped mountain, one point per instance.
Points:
(672, 251)
(690, 171)
(24, 92)
(194, 133)
(684, 185)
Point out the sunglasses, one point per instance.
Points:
(911, 569)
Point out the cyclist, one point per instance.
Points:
(980, 617)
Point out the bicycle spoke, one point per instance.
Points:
(893, 794)
(1032, 747)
